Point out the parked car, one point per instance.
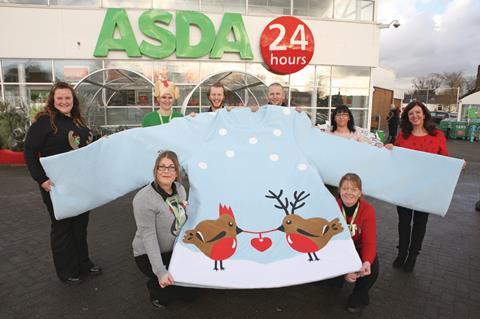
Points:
(453, 116)
(437, 116)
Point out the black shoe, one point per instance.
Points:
(72, 280)
(157, 304)
(400, 260)
(354, 304)
(410, 263)
(95, 271)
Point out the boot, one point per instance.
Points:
(400, 260)
(410, 262)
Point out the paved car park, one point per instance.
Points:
(445, 283)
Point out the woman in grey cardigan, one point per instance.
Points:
(159, 210)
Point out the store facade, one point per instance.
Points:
(113, 74)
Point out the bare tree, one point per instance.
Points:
(425, 87)
(454, 80)
(471, 83)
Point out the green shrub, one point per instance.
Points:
(13, 126)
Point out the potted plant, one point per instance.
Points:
(13, 126)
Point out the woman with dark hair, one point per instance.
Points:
(343, 125)
(417, 133)
(60, 128)
(360, 218)
(159, 210)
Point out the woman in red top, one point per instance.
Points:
(420, 134)
(360, 218)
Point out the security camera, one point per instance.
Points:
(396, 24)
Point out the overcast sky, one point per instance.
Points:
(434, 36)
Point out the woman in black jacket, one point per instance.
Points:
(60, 128)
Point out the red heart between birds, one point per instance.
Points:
(261, 244)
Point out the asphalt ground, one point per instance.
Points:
(445, 283)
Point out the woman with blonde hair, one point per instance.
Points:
(166, 93)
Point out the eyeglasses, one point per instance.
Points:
(163, 168)
(341, 115)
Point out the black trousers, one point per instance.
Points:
(410, 237)
(164, 295)
(392, 133)
(68, 240)
(363, 284)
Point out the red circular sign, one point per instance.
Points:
(287, 45)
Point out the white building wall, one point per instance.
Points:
(61, 33)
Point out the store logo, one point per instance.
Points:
(231, 36)
(286, 45)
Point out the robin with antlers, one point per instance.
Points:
(305, 235)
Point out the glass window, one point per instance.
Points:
(223, 6)
(184, 91)
(322, 75)
(144, 68)
(126, 116)
(76, 3)
(353, 98)
(176, 4)
(323, 96)
(301, 96)
(360, 117)
(126, 4)
(269, 6)
(259, 71)
(351, 76)
(33, 71)
(75, 70)
(177, 72)
(304, 77)
(25, 1)
(207, 69)
(321, 116)
(313, 8)
(354, 10)
(32, 96)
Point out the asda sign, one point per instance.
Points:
(117, 35)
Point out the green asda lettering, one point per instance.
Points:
(165, 42)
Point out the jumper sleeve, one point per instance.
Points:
(145, 217)
(113, 166)
(369, 236)
(34, 143)
(415, 184)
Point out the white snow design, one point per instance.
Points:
(230, 153)
(253, 140)
(274, 157)
(277, 132)
(222, 131)
(286, 111)
(202, 165)
(302, 166)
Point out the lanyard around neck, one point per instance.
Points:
(161, 117)
(352, 221)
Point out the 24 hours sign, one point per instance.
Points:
(286, 45)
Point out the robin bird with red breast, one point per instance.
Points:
(217, 239)
(305, 235)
